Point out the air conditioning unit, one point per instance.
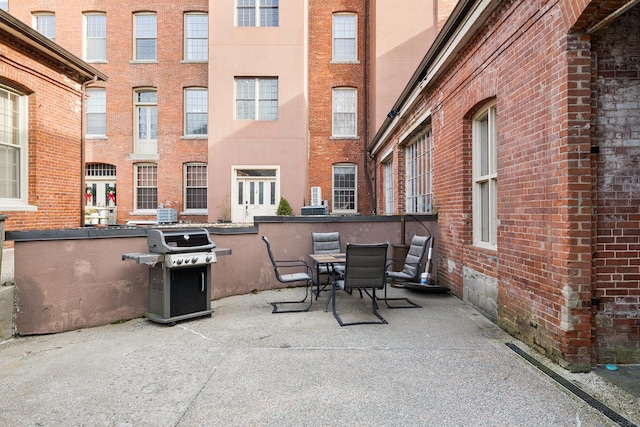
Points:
(316, 196)
(314, 210)
(167, 216)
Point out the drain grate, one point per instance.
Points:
(595, 403)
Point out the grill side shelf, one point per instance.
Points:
(143, 257)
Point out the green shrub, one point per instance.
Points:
(284, 208)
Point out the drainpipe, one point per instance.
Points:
(365, 139)
(83, 126)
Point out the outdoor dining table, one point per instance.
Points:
(328, 260)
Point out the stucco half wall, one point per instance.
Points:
(72, 279)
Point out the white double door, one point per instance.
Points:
(255, 194)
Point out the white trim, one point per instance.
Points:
(416, 123)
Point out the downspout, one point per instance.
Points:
(83, 126)
(370, 180)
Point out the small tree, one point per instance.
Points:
(284, 208)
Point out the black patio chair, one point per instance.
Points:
(410, 272)
(300, 273)
(364, 269)
(326, 243)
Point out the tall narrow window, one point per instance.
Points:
(257, 13)
(485, 178)
(195, 111)
(45, 24)
(4, 5)
(13, 149)
(344, 37)
(146, 187)
(344, 112)
(256, 98)
(195, 191)
(146, 120)
(344, 188)
(145, 44)
(96, 108)
(387, 170)
(95, 33)
(418, 171)
(196, 44)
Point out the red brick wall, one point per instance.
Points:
(541, 76)
(617, 135)
(323, 77)
(54, 168)
(169, 77)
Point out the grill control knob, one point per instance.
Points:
(179, 261)
(208, 258)
(194, 259)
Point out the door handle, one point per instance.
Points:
(202, 282)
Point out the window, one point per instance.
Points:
(95, 37)
(387, 170)
(195, 111)
(145, 44)
(344, 37)
(45, 24)
(344, 112)
(4, 5)
(146, 118)
(485, 178)
(196, 44)
(195, 191)
(256, 98)
(146, 187)
(13, 149)
(418, 170)
(96, 108)
(344, 188)
(248, 10)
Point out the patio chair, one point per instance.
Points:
(326, 243)
(410, 271)
(300, 273)
(364, 269)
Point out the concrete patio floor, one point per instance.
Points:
(443, 364)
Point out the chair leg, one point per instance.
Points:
(386, 301)
(306, 295)
(374, 307)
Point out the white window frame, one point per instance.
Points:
(96, 108)
(336, 188)
(388, 182)
(140, 182)
(145, 146)
(343, 107)
(344, 37)
(45, 24)
(195, 182)
(485, 178)
(140, 33)
(14, 137)
(418, 173)
(95, 38)
(193, 109)
(251, 102)
(196, 37)
(262, 11)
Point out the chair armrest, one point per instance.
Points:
(294, 263)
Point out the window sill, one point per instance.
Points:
(142, 61)
(16, 206)
(96, 137)
(194, 212)
(334, 137)
(199, 137)
(355, 62)
(188, 61)
(144, 212)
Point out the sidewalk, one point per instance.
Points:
(444, 364)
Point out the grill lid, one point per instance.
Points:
(176, 240)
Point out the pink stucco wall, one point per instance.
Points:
(64, 285)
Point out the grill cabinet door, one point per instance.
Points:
(188, 290)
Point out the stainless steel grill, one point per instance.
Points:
(179, 263)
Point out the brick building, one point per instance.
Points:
(520, 129)
(218, 109)
(41, 90)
